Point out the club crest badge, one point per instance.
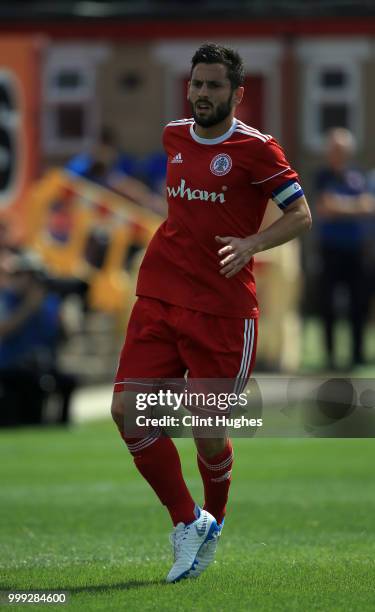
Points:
(221, 164)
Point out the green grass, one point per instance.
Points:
(299, 533)
(313, 351)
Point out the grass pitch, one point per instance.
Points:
(299, 533)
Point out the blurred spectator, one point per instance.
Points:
(96, 165)
(113, 169)
(370, 243)
(153, 169)
(30, 330)
(341, 206)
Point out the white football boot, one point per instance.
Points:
(187, 541)
(206, 555)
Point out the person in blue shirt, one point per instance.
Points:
(30, 331)
(29, 321)
(342, 205)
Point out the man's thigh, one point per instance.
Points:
(219, 347)
(220, 355)
(150, 350)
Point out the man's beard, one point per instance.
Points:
(221, 113)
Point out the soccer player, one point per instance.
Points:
(197, 309)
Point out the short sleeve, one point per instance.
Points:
(274, 176)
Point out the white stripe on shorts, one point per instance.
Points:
(248, 335)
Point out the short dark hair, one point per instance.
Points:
(211, 53)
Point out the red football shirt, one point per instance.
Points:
(215, 187)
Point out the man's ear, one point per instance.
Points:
(187, 92)
(238, 94)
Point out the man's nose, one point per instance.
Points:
(203, 90)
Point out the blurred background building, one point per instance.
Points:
(85, 89)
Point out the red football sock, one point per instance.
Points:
(216, 475)
(158, 461)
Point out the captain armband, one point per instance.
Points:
(287, 193)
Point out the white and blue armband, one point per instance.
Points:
(286, 193)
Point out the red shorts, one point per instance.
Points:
(164, 341)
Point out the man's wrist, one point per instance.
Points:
(254, 244)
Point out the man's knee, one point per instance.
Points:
(124, 413)
(209, 447)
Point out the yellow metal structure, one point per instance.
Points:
(63, 211)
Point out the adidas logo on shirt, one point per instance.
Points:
(177, 159)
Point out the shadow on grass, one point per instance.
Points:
(122, 586)
(98, 588)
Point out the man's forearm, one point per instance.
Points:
(289, 226)
(331, 206)
(237, 252)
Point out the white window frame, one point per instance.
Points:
(83, 59)
(316, 57)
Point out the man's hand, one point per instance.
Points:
(236, 253)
